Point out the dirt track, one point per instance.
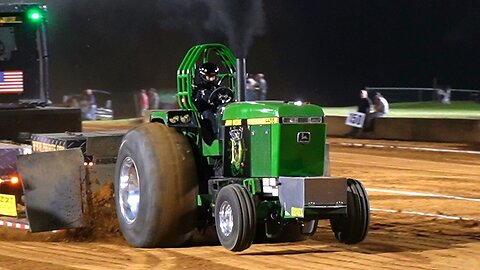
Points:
(408, 230)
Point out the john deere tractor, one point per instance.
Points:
(264, 177)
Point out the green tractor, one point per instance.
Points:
(265, 177)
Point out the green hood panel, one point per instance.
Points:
(265, 109)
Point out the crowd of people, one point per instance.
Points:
(256, 87)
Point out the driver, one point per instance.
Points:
(204, 87)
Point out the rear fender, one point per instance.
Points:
(53, 184)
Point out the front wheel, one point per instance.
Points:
(235, 217)
(353, 227)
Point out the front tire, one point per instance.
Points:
(235, 217)
(353, 227)
(156, 187)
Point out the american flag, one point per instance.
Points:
(11, 81)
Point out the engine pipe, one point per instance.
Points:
(241, 78)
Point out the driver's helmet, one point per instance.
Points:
(209, 72)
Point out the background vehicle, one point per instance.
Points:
(104, 109)
(10, 182)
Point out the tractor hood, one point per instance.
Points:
(273, 138)
(270, 109)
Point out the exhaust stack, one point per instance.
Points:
(241, 78)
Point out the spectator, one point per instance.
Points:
(262, 85)
(153, 99)
(143, 101)
(364, 106)
(380, 109)
(443, 95)
(380, 105)
(92, 105)
(251, 89)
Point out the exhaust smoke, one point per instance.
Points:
(239, 21)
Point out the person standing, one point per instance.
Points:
(143, 101)
(251, 89)
(262, 86)
(153, 99)
(92, 105)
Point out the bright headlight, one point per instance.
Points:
(302, 120)
(269, 186)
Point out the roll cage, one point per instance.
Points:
(187, 70)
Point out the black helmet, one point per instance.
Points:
(208, 70)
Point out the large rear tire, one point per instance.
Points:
(156, 187)
(353, 227)
(235, 217)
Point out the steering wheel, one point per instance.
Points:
(221, 95)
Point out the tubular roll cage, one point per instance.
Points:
(187, 69)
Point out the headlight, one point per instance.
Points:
(269, 186)
(302, 120)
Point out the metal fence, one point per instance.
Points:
(402, 94)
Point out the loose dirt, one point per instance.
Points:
(101, 220)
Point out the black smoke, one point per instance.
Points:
(237, 21)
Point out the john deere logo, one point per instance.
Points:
(303, 137)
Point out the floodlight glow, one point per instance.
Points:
(35, 15)
(298, 103)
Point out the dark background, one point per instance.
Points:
(321, 51)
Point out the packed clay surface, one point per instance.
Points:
(425, 214)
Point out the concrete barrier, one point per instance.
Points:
(413, 129)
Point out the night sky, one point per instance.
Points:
(322, 51)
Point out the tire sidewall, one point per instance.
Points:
(134, 231)
(229, 195)
(168, 187)
(353, 227)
